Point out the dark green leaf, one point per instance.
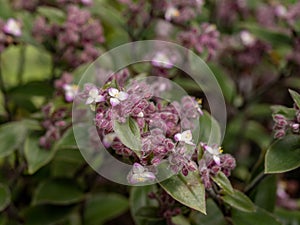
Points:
(4, 196)
(148, 213)
(46, 214)
(289, 113)
(239, 201)
(288, 217)
(138, 199)
(214, 215)
(35, 156)
(257, 133)
(11, 137)
(296, 97)
(67, 141)
(283, 155)
(259, 217)
(187, 190)
(129, 134)
(103, 207)
(55, 15)
(58, 192)
(223, 182)
(180, 220)
(265, 193)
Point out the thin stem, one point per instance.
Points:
(21, 67)
(255, 182)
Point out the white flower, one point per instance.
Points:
(12, 27)
(94, 97)
(171, 13)
(139, 174)
(117, 96)
(70, 92)
(280, 11)
(215, 151)
(185, 136)
(247, 38)
(161, 60)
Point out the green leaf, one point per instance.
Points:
(239, 200)
(103, 207)
(35, 156)
(265, 193)
(259, 217)
(288, 217)
(223, 182)
(148, 213)
(55, 15)
(283, 155)
(296, 97)
(180, 219)
(138, 199)
(4, 196)
(210, 131)
(58, 192)
(257, 133)
(129, 134)
(46, 214)
(289, 113)
(187, 190)
(67, 141)
(11, 137)
(214, 215)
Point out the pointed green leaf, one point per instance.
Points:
(239, 201)
(103, 207)
(223, 182)
(129, 134)
(283, 155)
(187, 190)
(58, 192)
(295, 96)
(259, 217)
(4, 196)
(11, 137)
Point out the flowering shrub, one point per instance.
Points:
(180, 162)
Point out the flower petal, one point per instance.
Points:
(89, 101)
(122, 96)
(137, 168)
(217, 160)
(113, 92)
(99, 98)
(114, 101)
(178, 137)
(93, 93)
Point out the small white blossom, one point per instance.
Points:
(247, 38)
(171, 13)
(280, 11)
(140, 174)
(215, 151)
(117, 96)
(70, 92)
(185, 136)
(94, 97)
(12, 27)
(108, 139)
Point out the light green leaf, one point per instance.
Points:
(240, 201)
(103, 207)
(295, 96)
(223, 182)
(259, 217)
(11, 137)
(55, 15)
(288, 217)
(46, 214)
(214, 215)
(58, 192)
(4, 196)
(35, 156)
(210, 131)
(289, 113)
(129, 134)
(67, 141)
(283, 155)
(180, 219)
(187, 190)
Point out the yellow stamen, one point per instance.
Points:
(199, 100)
(221, 150)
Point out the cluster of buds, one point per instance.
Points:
(204, 39)
(55, 123)
(165, 128)
(283, 125)
(73, 42)
(10, 30)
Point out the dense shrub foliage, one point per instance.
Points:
(253, 49)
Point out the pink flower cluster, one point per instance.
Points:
(73, 42)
